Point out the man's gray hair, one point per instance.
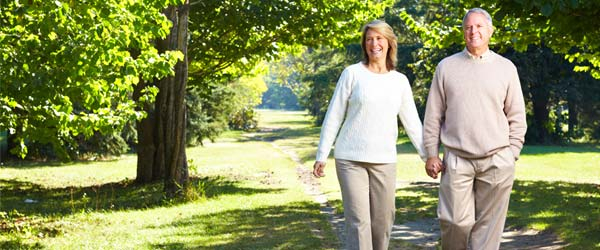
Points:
(480, 11)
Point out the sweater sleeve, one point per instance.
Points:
(434, 115)
(514, 108)
(411, 121)
(334, 117)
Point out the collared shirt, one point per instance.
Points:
(485, 54)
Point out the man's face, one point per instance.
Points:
(477, 31)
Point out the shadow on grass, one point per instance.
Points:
(26, 164)
(309, 134)
(544, 149)
(307, 123)
(33, 199)
(419, 203)
(405, 147)
(271, 135)
(275, 227)
(571, 210)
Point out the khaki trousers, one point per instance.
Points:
(368, 196)
(473, 200)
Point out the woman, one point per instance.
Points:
(368, 98)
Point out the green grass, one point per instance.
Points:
(253, 199)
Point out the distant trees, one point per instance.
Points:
(279, 97)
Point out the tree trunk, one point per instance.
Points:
(161, 149)
(3, 146)
(146, 149)
(572, 102)
(539, 99)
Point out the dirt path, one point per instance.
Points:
(311, 187)
(422, 234)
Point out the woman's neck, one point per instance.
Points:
(377, 66)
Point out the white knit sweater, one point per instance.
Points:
(365, 105)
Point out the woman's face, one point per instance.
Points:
(376, 45)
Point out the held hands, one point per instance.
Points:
(434, 166)
(318, 169)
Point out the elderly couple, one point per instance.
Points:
(475, 109)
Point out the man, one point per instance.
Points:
(476, 110)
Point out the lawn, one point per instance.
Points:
(252, 199)
(248, 196)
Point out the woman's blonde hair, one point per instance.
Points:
(386, 30)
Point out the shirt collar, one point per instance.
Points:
(485, 54)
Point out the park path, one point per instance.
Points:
(311, 187)
(422, 234)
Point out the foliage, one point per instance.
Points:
(228, 38)
(312, 76)
(242, 33)
(278, 96)
(560, 25)
(561, 101)
(248, 92)
(208, 112)
(218, 106)
(67, 67)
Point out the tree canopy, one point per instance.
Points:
(69, 67)
(567, 27)
(239, 33)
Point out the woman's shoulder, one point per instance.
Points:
(355, 67)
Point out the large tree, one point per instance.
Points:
(161, 140)
(69, 67)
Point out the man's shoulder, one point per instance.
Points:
(456, 56)
(504, 61)
(451, 60)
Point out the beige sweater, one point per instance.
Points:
(475, 106)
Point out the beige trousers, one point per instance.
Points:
(368, 196)
(473, 200)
